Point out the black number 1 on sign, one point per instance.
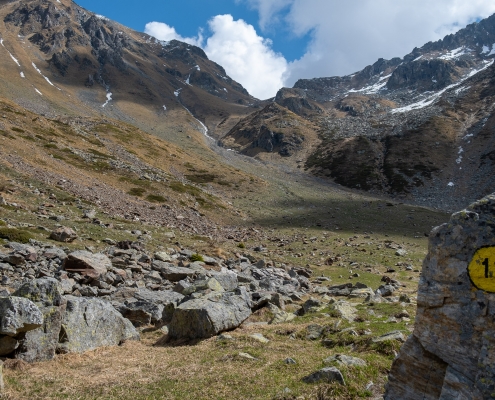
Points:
(485, 263)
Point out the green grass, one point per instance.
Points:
(137, 191)
(155, 198)
(196, 257)
(15, 235)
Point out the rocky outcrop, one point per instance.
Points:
(208, 316)
(451, 353)
(89, 323)
(40, 344)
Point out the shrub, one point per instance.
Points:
(155, 198)
(241, 245)
(196, 257)
(136, 191)
(15, 235)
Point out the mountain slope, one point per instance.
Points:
(58, 56)
(414, 128)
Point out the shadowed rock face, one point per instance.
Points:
(451, 353)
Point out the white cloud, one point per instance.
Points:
(347, 36)
(166, 32)
(247, 57)
(235, 45)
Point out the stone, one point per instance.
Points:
(63, 234)
(162, 256)
(246, 356)
(394, 335)
(40, 344)
(18, 315)
(289, 360)
(452, 345)
(173, 273)
(168, 299)
(314, 331)
(259, 338)
(361, 293)
(325, 375)
(386, 290)
(401, 253)
(89, 323)
(343, 360)
(87, 264)
(310, 305)
(280, 316)
(208, 316)
(345, 310)
(228, 280)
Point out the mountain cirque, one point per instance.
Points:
(156, 199)
(414, 128)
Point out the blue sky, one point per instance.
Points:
(187, 16)
(268, 44)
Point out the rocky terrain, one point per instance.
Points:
(139, 259)
(412, 127)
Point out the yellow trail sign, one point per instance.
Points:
(481, 269)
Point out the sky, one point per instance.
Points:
(269, 44)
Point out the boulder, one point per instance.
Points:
(325, 375)
(171, 272)
(208, 316)
(63, 234)
(18, 315)
(345, 310)
(40, 344)
(168, 299)
(89, 323)
(451, 353)
(343, 360)
(87, 264)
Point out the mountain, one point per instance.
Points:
(60, 58)
(419, 128)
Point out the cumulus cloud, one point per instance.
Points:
(247, 57)
(234, 44)
(166, 32)
(347, 36)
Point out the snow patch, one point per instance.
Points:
(418, 58)
(22, 75)
(102, 17)
(459, 159)
(15, 59)
(488, 51)
(450, 184)
(456, 53)
(430, 100)
(187, 80)
(177, 92)
(204, 129)
(197, 67)
(164, 108)
(109, 98)
(37, 91)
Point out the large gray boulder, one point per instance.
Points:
(40, 344)
(87, 264)
(171, 272)
(208, 316)
(89, 323)
(150, 307)
(18, 315)
(451, 353)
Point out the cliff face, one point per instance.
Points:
(451, 353)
